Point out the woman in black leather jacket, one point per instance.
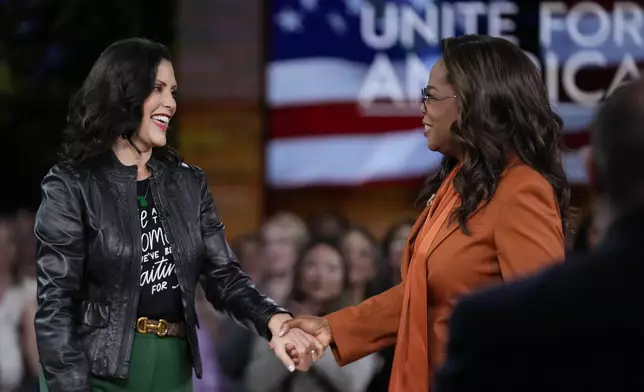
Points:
(125, 231)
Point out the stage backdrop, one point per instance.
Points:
(219, 70)
(343, 81)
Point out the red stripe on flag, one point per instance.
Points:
(403, 182)
(334, 119)
(416, 182)
(345, 120)
(574, 141)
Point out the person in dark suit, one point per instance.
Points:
(578, 326)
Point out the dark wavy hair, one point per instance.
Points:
(505, 112)
(298, 293)
(110, 102)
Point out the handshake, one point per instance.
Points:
(300, 341)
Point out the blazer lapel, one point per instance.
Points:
(408, 251)
(450, 226)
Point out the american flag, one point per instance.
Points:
(320, 134)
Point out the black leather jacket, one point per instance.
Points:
(89, 260)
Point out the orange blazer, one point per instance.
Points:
(515, 234)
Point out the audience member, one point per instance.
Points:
(361, 250)
(328, 224)
(283, 235)
(320, 285)
(19, 354)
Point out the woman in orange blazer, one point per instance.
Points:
(494, 212)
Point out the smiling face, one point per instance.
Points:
(322, 274)
(158, 109)
(440, 110)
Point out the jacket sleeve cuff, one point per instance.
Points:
(340, 337)
(268, 335)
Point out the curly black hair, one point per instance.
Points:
(505, 112)
(110, 102)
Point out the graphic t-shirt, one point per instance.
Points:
(160, 295)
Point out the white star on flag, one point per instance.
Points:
(289, 20)
(354, 6)
(309, 5)
(337, 23)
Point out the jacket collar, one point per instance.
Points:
(114, 166)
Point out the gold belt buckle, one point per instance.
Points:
(145, 326)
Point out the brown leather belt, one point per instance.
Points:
(160, 327)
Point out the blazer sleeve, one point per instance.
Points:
(60, 263)
(366, 328)
(529, 234)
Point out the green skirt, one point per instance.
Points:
(157, 364)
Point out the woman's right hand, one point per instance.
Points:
(314, 326)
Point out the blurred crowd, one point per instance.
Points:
(18, 352)
(312, 267)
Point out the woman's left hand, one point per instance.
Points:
(297, 349)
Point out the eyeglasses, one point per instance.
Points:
(429, 98)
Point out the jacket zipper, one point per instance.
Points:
(135, 269)
(168, 228)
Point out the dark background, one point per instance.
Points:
(46, 50)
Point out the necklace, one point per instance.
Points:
(143, 200)
(431, 200)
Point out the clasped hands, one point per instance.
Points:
(298, 342)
